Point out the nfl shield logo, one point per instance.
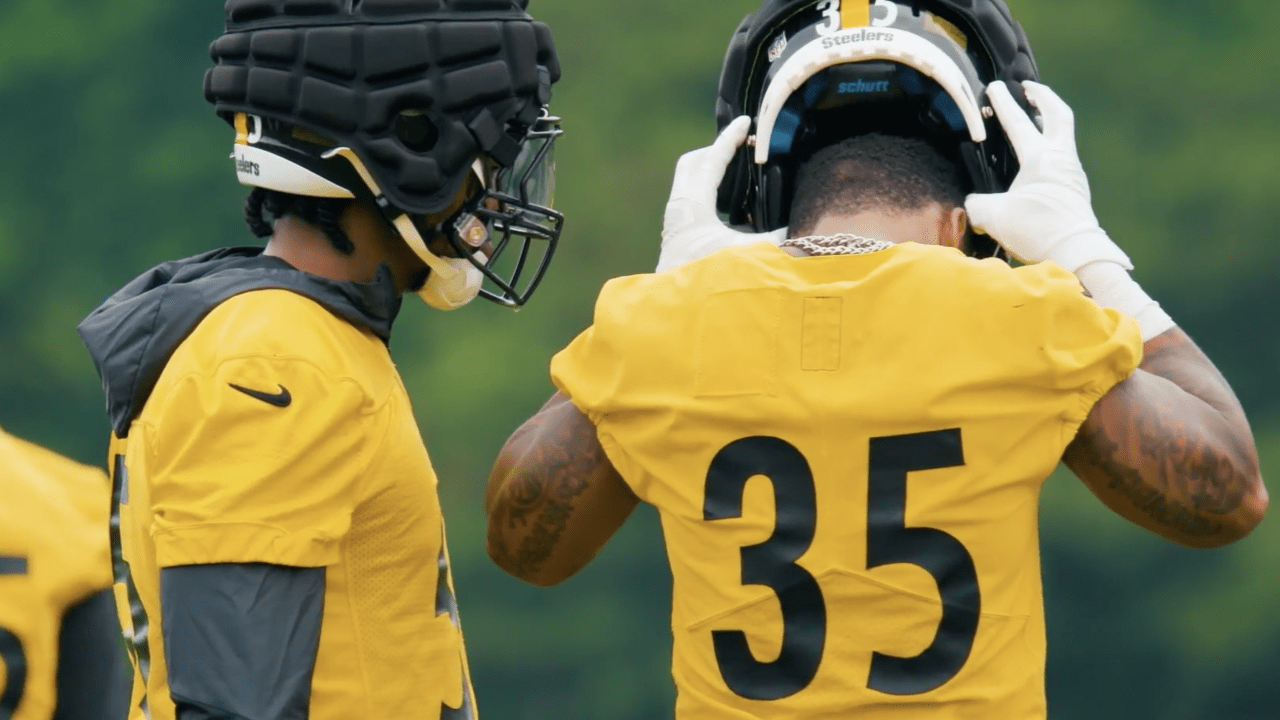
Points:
(776, 50)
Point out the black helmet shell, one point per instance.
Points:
(478, 71)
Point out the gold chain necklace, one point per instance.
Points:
(840, 244)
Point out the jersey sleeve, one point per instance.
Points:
(259, 461)
(596, 370)
(615, 367)
(1083, 349)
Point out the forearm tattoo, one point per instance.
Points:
(536, 504)
(1191, 501)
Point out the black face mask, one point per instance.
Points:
(510, 231)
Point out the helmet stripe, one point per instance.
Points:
(242, 129)
(855, 13)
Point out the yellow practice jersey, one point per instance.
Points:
(53, 555)
(278, 433)
(847, 454)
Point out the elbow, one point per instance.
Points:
(1254, 501)
(1254, 498)
(514, 554)
(555, 571)
(545, 579)
(1234, 496)
(1235, 525)
(513, 565)
(1253, 508)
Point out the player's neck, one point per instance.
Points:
(307, 248)
(929, 225)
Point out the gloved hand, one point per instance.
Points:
(1047, 214)
(691, 229)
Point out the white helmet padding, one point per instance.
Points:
(861, 45)
(262, 168)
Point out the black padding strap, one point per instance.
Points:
(492, 140)
(241, 639)
(93, 679)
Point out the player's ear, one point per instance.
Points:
(954, 228)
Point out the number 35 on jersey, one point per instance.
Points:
(773, 563)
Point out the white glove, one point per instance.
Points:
(1047, 214)
(691, 229)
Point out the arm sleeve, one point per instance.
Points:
(236, 478)
(240, 640)
(93, 682)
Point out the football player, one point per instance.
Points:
(60, 652)
(845, 419)
(281, 550)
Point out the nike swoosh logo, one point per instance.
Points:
(280, 399)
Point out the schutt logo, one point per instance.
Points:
(862, 86)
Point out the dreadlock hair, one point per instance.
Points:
(324, 213)
(873, 171)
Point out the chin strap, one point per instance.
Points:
(453, 282)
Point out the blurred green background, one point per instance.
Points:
(113, 162)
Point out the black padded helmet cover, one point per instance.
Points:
(480, 71)
(1000, 40)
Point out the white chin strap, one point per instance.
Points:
(453, 282)
(859, 45)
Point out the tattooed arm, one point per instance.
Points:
(554, 499)
(1171, 450)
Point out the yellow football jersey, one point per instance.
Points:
(53, 555)
(279, 433)
(847, 454)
